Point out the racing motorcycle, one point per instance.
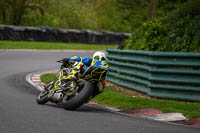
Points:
(72, 89)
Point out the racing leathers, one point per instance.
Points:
(82, 64)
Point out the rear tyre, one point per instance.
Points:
(42, 97)
(83, 95)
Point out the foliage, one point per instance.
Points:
(166, 6)
(12, 11)
(148, 37)
(178, 31)
(108, 15)
(133, 12)
(35, 19)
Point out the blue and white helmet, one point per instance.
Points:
(99, 55)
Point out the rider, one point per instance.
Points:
(82, 64)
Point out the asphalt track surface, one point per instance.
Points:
(19, 112)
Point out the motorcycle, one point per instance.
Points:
(72, 89)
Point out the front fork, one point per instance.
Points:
(49, 86)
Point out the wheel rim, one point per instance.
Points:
(67, 98)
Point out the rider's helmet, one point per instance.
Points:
(99, 55)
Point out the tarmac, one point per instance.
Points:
(154, 114)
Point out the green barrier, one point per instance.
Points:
(161, 74)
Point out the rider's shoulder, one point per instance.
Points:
(76, 58)
(86, 59)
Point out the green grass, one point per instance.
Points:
(52, 46)
(47, 78)
(119, 100)
(116, 99)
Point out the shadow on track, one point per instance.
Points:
(19, 82)
(83, 108)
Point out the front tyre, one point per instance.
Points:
(42, 97)
(84, 93)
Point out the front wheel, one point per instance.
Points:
(42, 97)
(84, 92)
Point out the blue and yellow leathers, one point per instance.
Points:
(84, 63)
(98, 74)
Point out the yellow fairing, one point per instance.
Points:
(101, 75)
(60, 76)
(78, 66)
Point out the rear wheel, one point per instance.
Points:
(84, 92)
(42, 97)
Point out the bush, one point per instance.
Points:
(148, 37)
(179, 31)
(35, 19)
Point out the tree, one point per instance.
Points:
(152, 9)
(12, 11)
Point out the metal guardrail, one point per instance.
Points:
(161, 74)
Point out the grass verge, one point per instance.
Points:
(122, 101)
(52, 46)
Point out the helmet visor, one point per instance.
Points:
(96, 57)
